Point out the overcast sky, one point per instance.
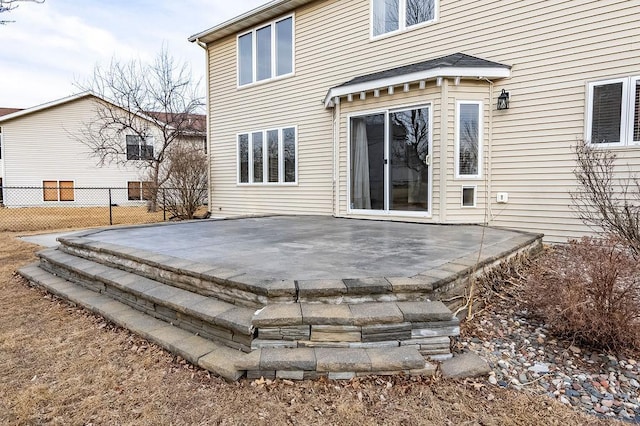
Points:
(51, 46)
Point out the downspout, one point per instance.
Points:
(444, 138)
(336, 154)
(488, 169)
(208, 124)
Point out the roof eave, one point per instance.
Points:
(263, 13)
(463, 72)
(44, 106)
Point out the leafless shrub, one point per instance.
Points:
(186, 185)
(589, 291)
(608, 204)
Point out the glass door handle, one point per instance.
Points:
(427, 160)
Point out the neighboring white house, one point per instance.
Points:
(42, 147)
(388, 110)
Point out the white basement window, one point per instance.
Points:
(613, 112)
(266, 52)
(268, 157)
(388, 16)
(468, 196)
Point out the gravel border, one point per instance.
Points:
(523, 356)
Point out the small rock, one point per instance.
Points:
(572, 393)
(540, 368)
(493, 380)
(465, 365)
(575, 349)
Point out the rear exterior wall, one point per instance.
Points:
(555, 49)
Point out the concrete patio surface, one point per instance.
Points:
(316, 247)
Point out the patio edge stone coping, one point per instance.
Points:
(289, 290)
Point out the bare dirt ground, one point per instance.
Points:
(62, 365)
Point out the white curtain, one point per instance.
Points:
(361, 193)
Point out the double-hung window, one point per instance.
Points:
(266, 52)
(468, 139)
(613, 112)
(397, 15)
(139, 148)
(268, 157)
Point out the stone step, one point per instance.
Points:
(334, 363)
(237, 287)
(225, 284)
(217, 320)
(217, 358)
(361, 314)
(426, 326)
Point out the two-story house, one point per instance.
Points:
(45, 158)
(439, 111)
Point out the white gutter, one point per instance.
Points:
(262, 13)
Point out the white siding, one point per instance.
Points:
(554, 48)
(46, 146)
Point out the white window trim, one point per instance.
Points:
(274, 52)
(386, 212)
(144, 141)
(265, 159)
(475, 196)
(627, 111)
(402, 18)
(457, 140)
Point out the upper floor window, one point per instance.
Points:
(613, 112)
(266, 52)
(267, 156)
(398, 15)
(468, 139)
(139, 148)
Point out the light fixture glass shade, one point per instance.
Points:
(503, 100)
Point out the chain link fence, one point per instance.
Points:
(63, 206)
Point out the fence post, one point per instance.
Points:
(110, 209)
(164, 205)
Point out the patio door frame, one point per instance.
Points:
(387, 164)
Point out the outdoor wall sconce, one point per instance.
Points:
(503, 100)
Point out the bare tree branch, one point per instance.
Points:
(142, 111)
(186, 185)
(606, 202)
(9, 5)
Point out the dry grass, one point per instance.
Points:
(58, 218)
(61, 365)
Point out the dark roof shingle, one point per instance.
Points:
(457, 60)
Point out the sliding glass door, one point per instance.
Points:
(389, 161)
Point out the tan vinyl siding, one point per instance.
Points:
(554, 48)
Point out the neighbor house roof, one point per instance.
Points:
(6, 111)
(197, 121)
(267, 11)
(455, 65)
